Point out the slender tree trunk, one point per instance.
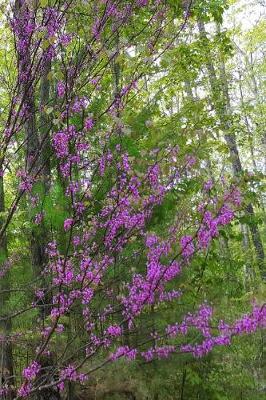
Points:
(116, 71)
(260, 101)
(40, 236)
(6, 356)
(38, 160)
(247, 124)
(32, 149)
(184, 375)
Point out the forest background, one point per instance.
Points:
(164, 100)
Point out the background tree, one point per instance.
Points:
(128, 197)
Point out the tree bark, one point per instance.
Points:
(6, 355)
(37, 162)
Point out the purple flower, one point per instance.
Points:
(153, 175)
(208, 185)
(87, 295)
(148, 355)
(187, 246)
(31, 371)
(89, 123)
(204, 238)
(114, 330)
(226, 215)
(61, 89)
(24, 390)
(70, 373)
(68, 223)
(191, 160)
(39, 293)
(142, 3)
(124, 351)
(60, 144)
(65, 39)
(38, 218)
(151, 240)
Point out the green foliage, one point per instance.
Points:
(55, 206)
(175, 104)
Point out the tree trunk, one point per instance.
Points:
(184, 374)
(37, 162)
(247, 124)
(40, 236)
(6, 357)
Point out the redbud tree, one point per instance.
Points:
(87, 198)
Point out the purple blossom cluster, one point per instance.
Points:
(70, 373)
(61, 89)
(31, 371)
(100, 230)
(187, 246)
(210, 225)
(114, 330)
(26, 181)
(249, 323)
(25, 390)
